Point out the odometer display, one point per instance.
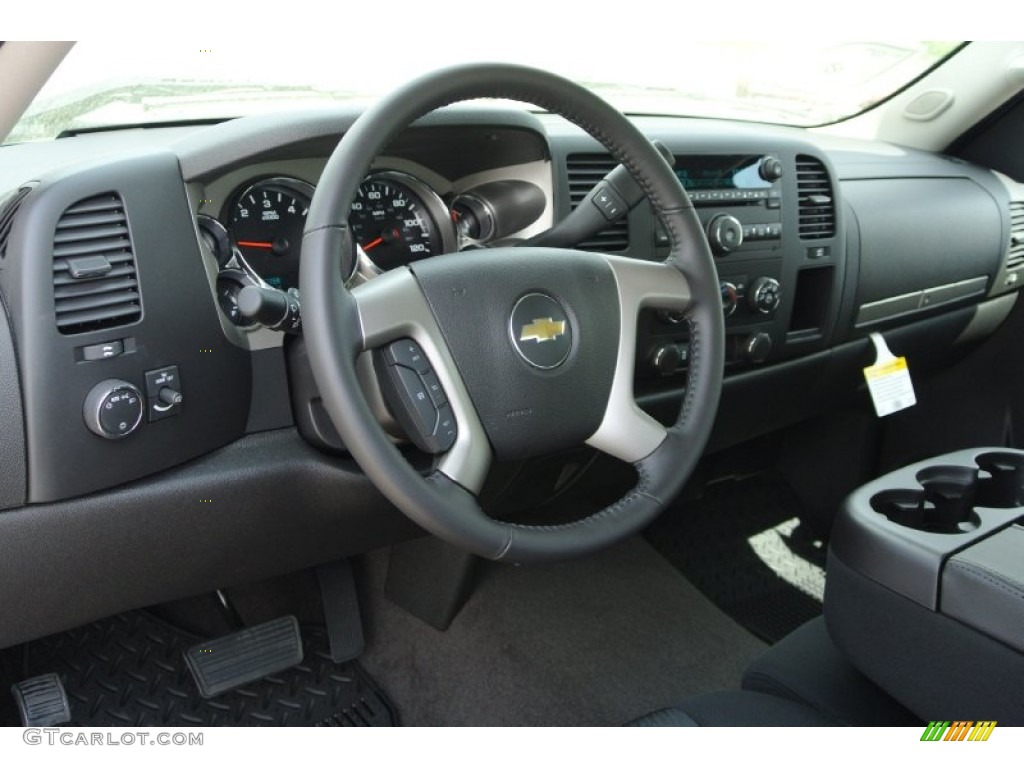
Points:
(267, 220)
(391, 221)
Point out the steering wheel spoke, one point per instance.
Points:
(469, 457)
(626, 432)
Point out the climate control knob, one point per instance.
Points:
(113, 409)
(756, 348)
(730, 297)
(665, 359)
(764, 295)
(725, 234)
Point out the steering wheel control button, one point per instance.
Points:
(608, 202)
(407, 353)
(163, 393)
(113, 409)
(446, 430)
(414, 390)
(103, 351)
(434, 388)
(541, 331)
(415, 396)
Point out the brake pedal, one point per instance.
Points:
(234, 660)
(42, 701)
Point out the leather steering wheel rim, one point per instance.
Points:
(338, 327)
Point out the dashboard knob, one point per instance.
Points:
(665, 359)
(764, 295)
(725, 233)
(729, 297)
(169, 396)
(757, 347)
(770, 169)
(113, 409)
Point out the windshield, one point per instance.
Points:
(104, 86)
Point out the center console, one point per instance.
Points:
(772, 224)
(925, 588)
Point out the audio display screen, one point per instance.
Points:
(720, 172)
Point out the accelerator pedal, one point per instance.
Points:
(228, 662)
(42, 701)
(341, 610)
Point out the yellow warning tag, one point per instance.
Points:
(889, 380)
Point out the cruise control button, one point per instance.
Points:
(434, 388)
(407, 352)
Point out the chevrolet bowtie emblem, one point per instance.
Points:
(542, 329)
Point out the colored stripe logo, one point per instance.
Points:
(958, 730)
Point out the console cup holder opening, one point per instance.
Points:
(944, 504)
(1004, 486)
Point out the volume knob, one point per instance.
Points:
(770, 169)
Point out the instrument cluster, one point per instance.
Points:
(396, 219)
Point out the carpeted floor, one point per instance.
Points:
(595, 641)
(742, 545)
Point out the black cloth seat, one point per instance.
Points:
(803, 680)
(806, 667)
(737, 709)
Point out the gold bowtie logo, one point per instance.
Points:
(542, 329)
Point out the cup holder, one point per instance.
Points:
(945, 503)
(1004, 486)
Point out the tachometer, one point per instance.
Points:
(266, 222)
(397, 219)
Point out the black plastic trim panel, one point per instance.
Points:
(267, 504)
(179, 327)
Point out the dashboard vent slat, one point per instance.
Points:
(584, 172)
(95, 227)
(7, 211)
(817, 208)
(1015, 254)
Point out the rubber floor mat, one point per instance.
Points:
(742, 546)
(129, 670)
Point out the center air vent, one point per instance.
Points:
(94, 280)
(7, 211)
(817, 209)
(1015, 256)
(585, 171)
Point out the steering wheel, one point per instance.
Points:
(534, 348)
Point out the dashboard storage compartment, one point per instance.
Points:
(925, 586)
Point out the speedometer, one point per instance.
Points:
(397, 219)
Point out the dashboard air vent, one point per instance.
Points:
(585, 171)
(817, 210)
(1015, 256)
(7, 211)
(94, 280)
